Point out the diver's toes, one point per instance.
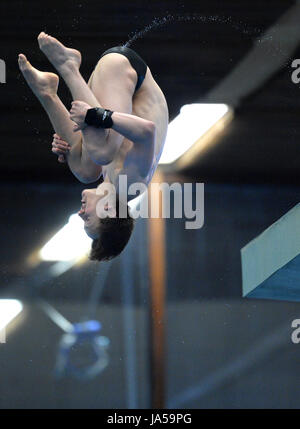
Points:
(22, 60)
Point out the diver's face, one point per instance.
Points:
(89, 200)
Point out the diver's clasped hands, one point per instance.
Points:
(60, 148)
(78, 114)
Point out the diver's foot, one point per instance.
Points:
(42, 83)
(63, 59)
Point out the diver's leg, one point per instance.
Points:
(114, 83)
(67, 62)
(44, 86)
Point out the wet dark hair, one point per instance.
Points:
(114, 234)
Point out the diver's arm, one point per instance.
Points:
(142, 134)
(85, 170)
(139, 131)
(81, 166)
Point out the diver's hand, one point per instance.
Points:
(78, 113)
(60, 148)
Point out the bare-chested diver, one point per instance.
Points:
(129, 141)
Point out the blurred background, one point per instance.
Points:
(168, 325)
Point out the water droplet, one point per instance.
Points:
(239, 25)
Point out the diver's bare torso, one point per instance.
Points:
(148, 103)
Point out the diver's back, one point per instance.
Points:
(149, 103)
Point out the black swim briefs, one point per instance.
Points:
(135, 60)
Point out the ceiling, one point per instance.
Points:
(188, 56)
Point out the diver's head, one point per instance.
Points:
(110, 234)
(87, 212)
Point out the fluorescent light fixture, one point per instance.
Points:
(9, 309)
(70, 243)
(193, 122)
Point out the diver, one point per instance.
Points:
(117, 125)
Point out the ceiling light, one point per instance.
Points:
(193, 122)
(9, 309)
(69, 243)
